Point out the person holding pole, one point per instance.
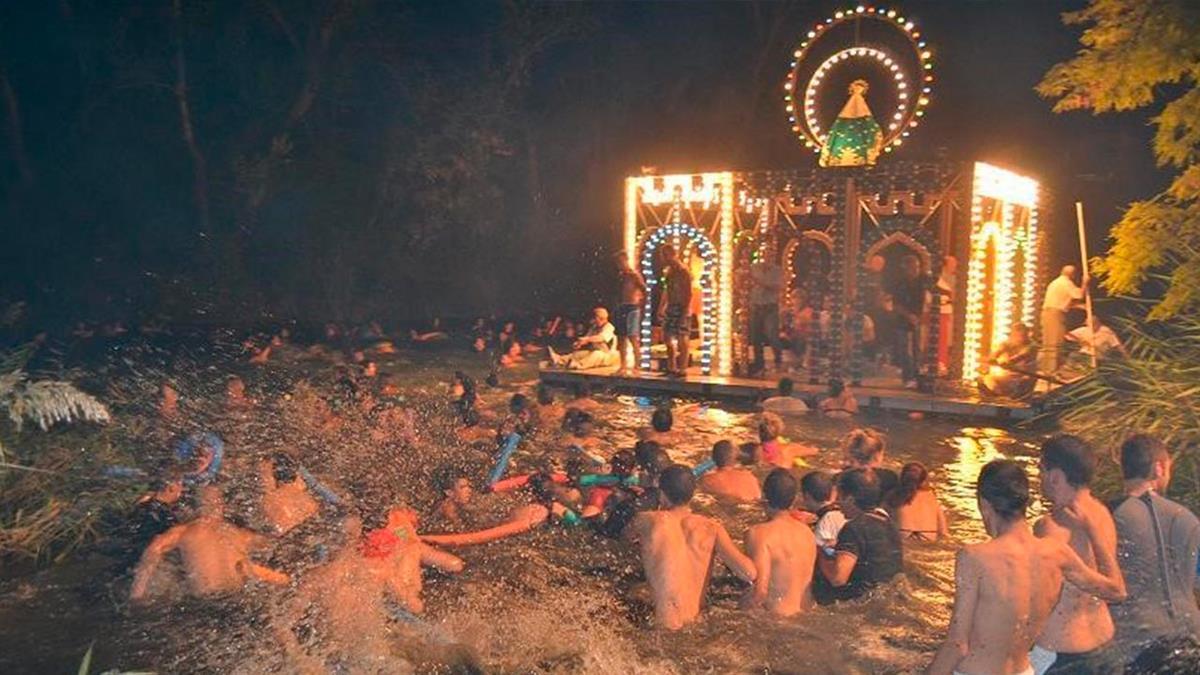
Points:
(1061, 295)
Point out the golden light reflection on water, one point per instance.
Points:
(976, 446)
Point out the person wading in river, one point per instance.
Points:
(678, 547)
(1078, 633)
(783, 550)
(1005, 588)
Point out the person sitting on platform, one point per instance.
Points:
(783, 403)
(597, 349)
(729, 482)
(1012, 366)
(1096, 339)
(840, 402)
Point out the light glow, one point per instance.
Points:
(1008, 192)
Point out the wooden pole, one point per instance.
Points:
(1087, 293)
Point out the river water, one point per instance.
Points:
(554, 600)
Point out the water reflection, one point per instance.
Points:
(974, 447)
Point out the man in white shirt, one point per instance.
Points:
(766, 279)
(596, 349)
(1096, 339)
(1061, 295)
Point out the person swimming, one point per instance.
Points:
(914, 505)
(777, 450)
(840, 402)
(783, 550)
(286, 502)
(456, 494)
(866, 449)
(215, 553)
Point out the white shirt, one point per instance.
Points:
(828, 527)
(1060, 293)
(603, 337)
(1105, 339)
(767, 279)
(945, 283)
(783, 405)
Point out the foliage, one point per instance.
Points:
(1140, 53)
(1156, 390)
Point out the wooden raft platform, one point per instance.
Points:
(750, 389)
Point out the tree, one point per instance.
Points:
(1137, 54)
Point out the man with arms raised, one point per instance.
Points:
(1078, 633)
(1005, 588)
(783, 550)
(678, 547)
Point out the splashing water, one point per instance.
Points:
(554, 600)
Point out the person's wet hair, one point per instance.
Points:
(470, 417)
(1138, 455)
(661, 420)
(581, 424)
(1071, 455)
(818, 485)
(518, 403)
(836, 387)
(541, 486)
(786, 386)
(544, 395)
(864, 446)
(779, 488)
(750, 453)
(644, 452)
(912, 479)
(284, 468)
(677, 484)
(770, 426)
(1005, 487)
(623, 463)
(723, 453)
(860, 485)
(445, 478)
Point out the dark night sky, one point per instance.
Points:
(668, 84)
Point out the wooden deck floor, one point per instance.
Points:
(749, 389)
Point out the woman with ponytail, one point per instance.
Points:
(914, 506)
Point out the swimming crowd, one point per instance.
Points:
(1088, 587)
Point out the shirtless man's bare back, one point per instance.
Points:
(1005, 588)
(216, 554)
(677, 550)
(784, 551)
(727, 481)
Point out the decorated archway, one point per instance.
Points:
(688, 240)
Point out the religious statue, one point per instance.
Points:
(855, 138)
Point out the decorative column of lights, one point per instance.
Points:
(1009, 190)
(830, 344)
(724, 301)
(907, 113)
(1029, 282)
(674, 232)
(856, 321)
(932, 365)
(744, 244)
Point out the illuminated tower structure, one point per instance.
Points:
(825, 224)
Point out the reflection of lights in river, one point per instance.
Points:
(976, 447)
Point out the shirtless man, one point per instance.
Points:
(673, 309)
(1005, 588)
(677, 550)
(728, 481)
(1078, 633)
(216, 554)
(521, 520)
(286, 502)
(394, 553)
(783, 550)
(629, 312)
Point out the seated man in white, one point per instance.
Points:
(596, 349)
